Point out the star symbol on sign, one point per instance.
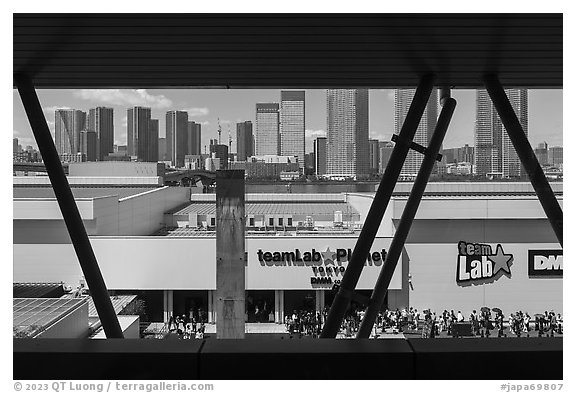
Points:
(328, 256)
(501, 260)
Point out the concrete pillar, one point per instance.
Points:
(279, 306)
(230, 258)
(211, 317)
(319, 301)
(168, 304)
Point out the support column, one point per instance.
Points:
(230, 257)
(68, 208)
(397, 245)
(168, 304)
(211, 317)
(280, 296)
(378, 207)
(276, 307)
(319, 301)
(526, 155)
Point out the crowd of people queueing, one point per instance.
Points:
(188, 327)
(428, 322)
(304, 323)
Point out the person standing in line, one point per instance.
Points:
(526, 322)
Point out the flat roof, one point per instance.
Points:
(37, 290)
(193, 232)
(80, 192)
(32, 316)
(119, 303)
(287, 50)
(310, 208)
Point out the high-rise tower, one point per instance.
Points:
(267, 138)
(244, 140)
(101, 121)
(194, 138)
(176, 137)
(152, 146)
(292, 124)
(403, 99)
(347, 112)
(320, 156)
(68, 124)
(494, 154)
(138, 123)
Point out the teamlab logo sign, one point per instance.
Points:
(478, 262)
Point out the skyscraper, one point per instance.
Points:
(267, 138)
(403, 99)
(385, 151)
(15, 145)
(162, 149)
(320, 156)
(374, 155)
(494, 154)
(292, 124)
(176, 137)
(101, 121)
(152, 147)
(89, 145)
(194, 138)
(556, 156)
(541, 153)
(138, 120)
(244, 141)
(347, 148)
(220, 152)
(69, 123)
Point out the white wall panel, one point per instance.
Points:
(433, 268)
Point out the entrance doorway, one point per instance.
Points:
(260, 306)
(299, 301)
(191, 304)
(354, 305)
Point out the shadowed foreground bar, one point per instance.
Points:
(260, 359)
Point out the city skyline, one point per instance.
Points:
(233, 106)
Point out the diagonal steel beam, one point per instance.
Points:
(406, 220)
(68, 207)
(378, 207)
(526, 154)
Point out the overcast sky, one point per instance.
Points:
(232, 106)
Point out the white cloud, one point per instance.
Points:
(25, 141)
(121, 139)
(49, 114)
(125, 121)
(377, 135)
(195, 112)
(315, 133)
(52, 109)
(127, 97)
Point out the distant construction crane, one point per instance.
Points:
(229, 140)
(219, 131)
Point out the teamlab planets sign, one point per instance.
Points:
(311, 263)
